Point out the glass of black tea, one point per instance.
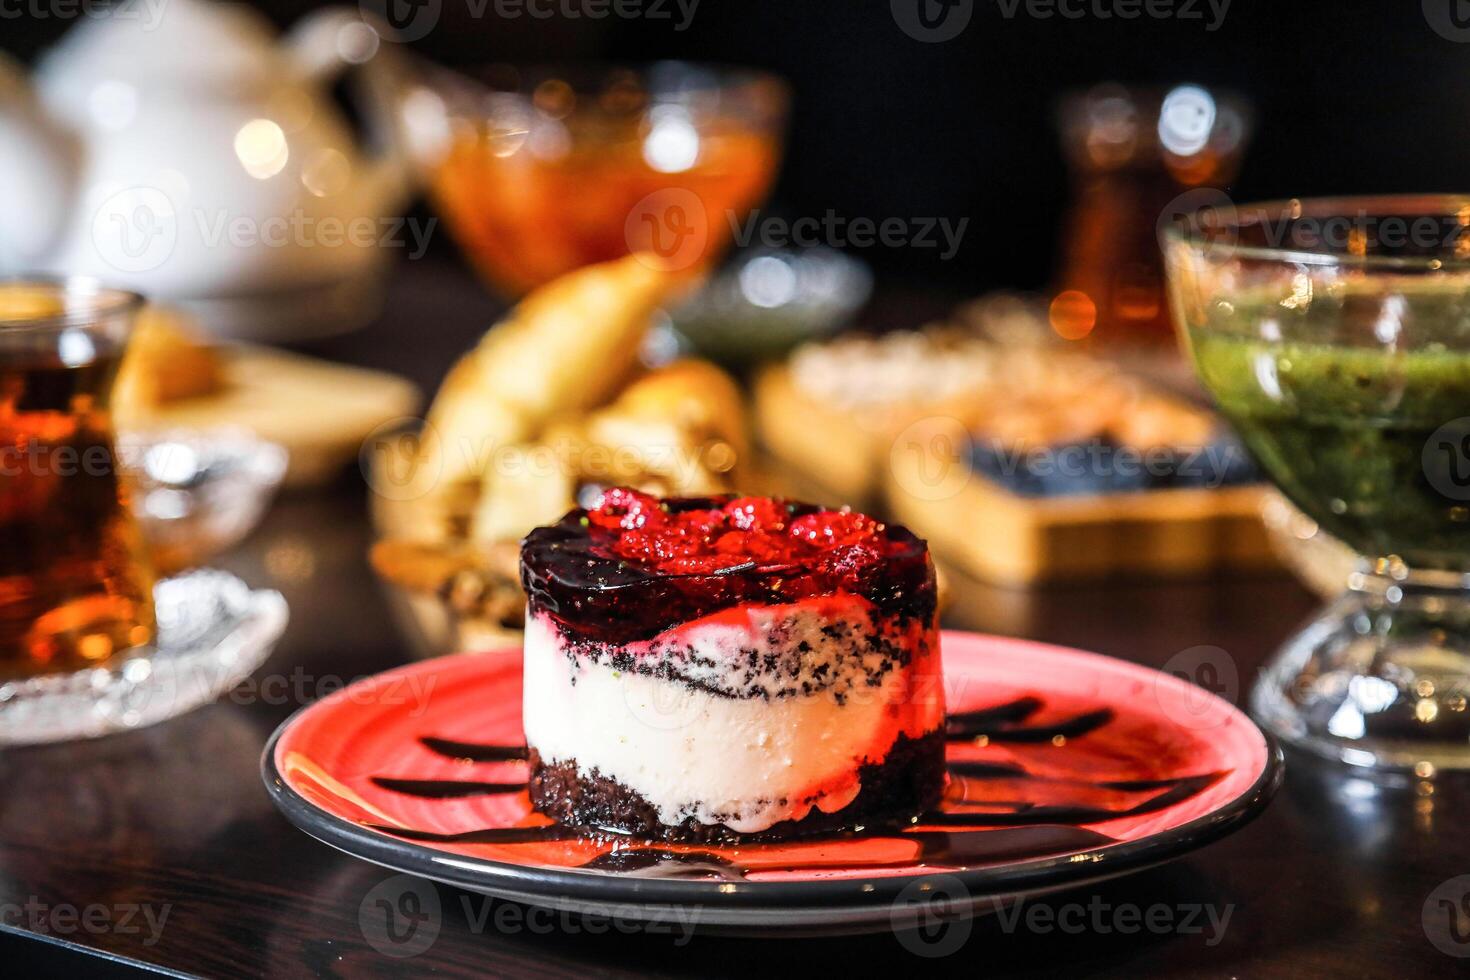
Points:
(76, 589)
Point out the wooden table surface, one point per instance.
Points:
(168, 836)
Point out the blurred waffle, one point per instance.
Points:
(1021, 458)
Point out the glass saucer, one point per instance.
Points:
(197, 493)
(213, 631)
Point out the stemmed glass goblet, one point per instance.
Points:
(1334, 336)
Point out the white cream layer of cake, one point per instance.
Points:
(747, 762)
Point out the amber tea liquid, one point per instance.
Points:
(75, 587)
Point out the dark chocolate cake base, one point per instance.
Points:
(905, 784)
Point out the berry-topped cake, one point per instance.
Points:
(727, 668)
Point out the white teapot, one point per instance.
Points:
(175, 148)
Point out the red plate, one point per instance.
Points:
(1054, 753)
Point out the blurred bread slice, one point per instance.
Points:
(680, 430)
(530, 484)
(693, 394)
(567, 347)
(167, 360)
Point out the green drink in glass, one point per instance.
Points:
(1335, 338)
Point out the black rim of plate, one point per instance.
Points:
(522, 882)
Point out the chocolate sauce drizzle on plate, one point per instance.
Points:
(961, 832)
(444, 789)
(473, 751)
(1000, 724)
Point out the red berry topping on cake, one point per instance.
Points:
(835, 528)
(747, 530)
(632, 564)
(757, 514)
(626, 509)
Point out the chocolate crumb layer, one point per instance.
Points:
(906, 783)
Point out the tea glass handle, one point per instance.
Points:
(335, 40)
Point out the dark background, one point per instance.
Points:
(1360, 97)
